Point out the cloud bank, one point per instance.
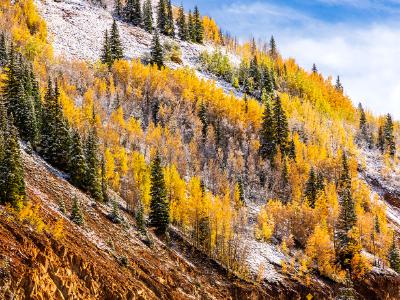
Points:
(365, 55)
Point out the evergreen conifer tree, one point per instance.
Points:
(191, 28)
(314, 69)
(115, 216)
(311, 188)
(115, 43)
(394, 257)
(162, 17)
(157, 57)
(12, 184)
(93, 183)
(390, 145)
(338, 85)
(280, 126)
(381, 139)
(268, 146)
(170, 24)
(76, 213)
(77, 163)
(363, 123)
(198, 26)
(147, 16)
(346, 245)
(273, 51)
(182, 26)
(159, 211)
(55, 136)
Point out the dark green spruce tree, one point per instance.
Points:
(280, 126)
(338, 85)
(76, 213)
(198, 26)
(147, 16)
(104, 184)
(116, 49)
(170, 24)
(77, 163)
(55, 136)
(390, 144)
(345, 245)
(159, 211)
(157, 57)
(12, 184)
(393, 256)
(93, 182)
(314, 69)
(268, 146)
(181, 23)
(162, 17)
(191, 28)
(273, 50)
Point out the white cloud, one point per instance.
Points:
(366, 58)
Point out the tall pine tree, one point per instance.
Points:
(159, 211)
(280, 126)
(93, 183)
(147, 16)
(181, 23)
(3, 50)
(390, 145)
(157, 57)
(116, 49)
(12, 184)
(162, 17)
(106, 51)
(267, 134)
(346, 245)
(77, 163)
(198, 26)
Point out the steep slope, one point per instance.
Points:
(86, 262)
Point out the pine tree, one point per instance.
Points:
(182, 26)
(106, 51)
(159, 211)
(390, 145)
(162, 17)
(363, 122)
(93, 183)
(115, 43)
(12, 184)
(147, 16)
(346, 245)
(17, 92)
(314, 69)
(77, 163)
(198, 26)
(76, 213)
(311, 191)
(170, 24)
(157, 57)
(273, 51)
(280, 126)
(3, 50)
(115, 215)
(139, 218)
(338, 85)
(191, 28)
(394, 257)
(267, 134)
(55, 137)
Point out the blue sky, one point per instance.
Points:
(356, 39)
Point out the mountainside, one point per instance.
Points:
(230, 173)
